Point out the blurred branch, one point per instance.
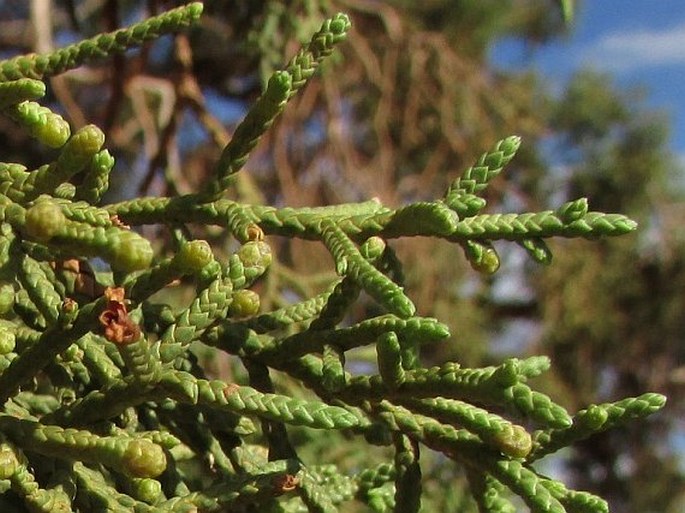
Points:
(41, 20)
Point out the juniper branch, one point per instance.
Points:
(43, 66)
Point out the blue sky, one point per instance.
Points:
(641, 42)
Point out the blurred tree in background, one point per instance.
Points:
(415, 102)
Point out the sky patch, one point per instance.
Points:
(628, 51)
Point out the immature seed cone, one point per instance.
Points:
(44, 220)
(129, 251)
(255, 254)
(144, 458)
(245, 303)
(194, 256)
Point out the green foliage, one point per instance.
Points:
(103, 45)
(104, 389)
(622, 310)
